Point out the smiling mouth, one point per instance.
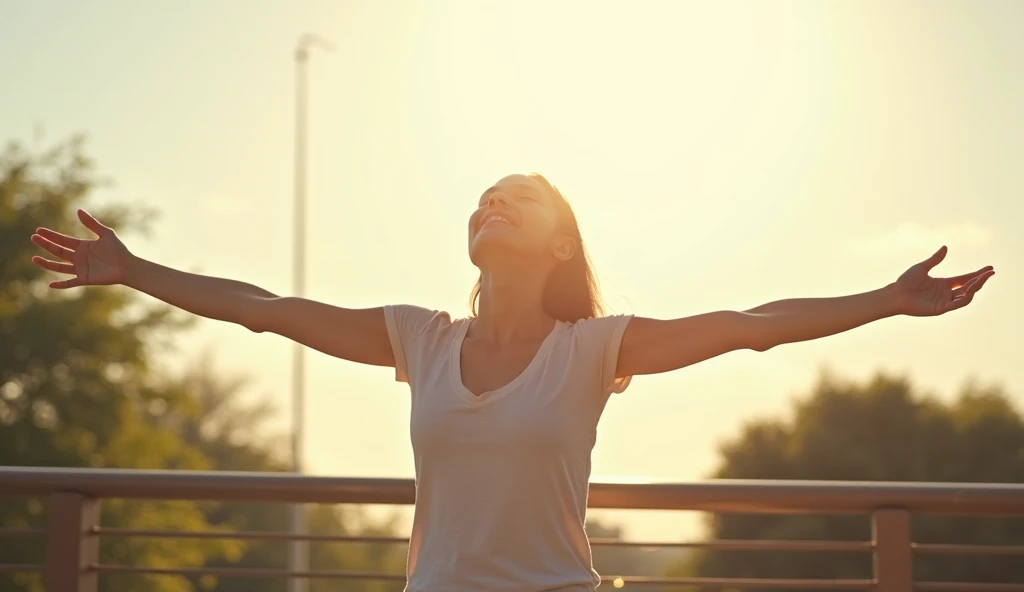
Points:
(496, 219)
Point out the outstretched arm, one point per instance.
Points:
(651, 346)
(358, 335)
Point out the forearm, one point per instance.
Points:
(211, 297)
(803, 319)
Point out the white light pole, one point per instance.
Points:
(298, 556)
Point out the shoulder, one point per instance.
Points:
(599, 331)
(414, 314)
(409, 321)
(417, 334)
(596, 342)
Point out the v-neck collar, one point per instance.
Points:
(489, 396)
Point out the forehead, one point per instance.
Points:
(515, 181)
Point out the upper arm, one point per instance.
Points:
(651, 346)
(357, 335)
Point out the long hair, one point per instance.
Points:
(571, 292)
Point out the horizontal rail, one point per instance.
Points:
(269, 535)
(966, 587)
(950, 549)
(15, 533)
(796, 584)
(20, 568)
(746, 545)
(242, 572)
(725, 545)
(738, 496)
(749, 583)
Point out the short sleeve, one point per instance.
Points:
(603, 339)
(406, 326)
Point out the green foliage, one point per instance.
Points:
(879, 431)
(75, 377)
(80, 387)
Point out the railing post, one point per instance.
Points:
(893, 557)
(70, 546)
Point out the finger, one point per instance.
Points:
(960, 302)
(936, 258)
(960, 280)
(958, 299)
(53, 248)
(64, 284)
(966, 294)
(92, 223)
(61, 239)
(973, 285)
(976, 284)
(58, 266)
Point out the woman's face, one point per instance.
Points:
(516, 218)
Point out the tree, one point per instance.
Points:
(76, 386)
(879, 431)
(79, 388)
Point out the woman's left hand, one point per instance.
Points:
(920, 295)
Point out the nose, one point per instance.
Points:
(497, 198)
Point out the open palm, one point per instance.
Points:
(93, 262)
(922, 295)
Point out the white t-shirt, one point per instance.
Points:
(502, 479)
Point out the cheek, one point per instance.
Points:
(536, 239)
(542, 228)
(473, 220)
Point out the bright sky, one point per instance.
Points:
(718, 155)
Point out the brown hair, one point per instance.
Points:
(571, 292)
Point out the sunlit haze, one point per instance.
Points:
(719, 155)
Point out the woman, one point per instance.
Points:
(505, 403)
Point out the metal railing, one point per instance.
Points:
(73, 531)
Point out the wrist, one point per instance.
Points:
(132, 270)
(893, 302)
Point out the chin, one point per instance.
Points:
(493, 249)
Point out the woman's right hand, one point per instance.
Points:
(98, 262)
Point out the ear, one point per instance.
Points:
(564, 248)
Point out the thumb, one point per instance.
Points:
(92, 223)
(936, 258)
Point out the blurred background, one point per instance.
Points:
(717, 154)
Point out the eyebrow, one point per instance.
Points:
(494, 188)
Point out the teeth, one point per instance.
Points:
(497, 218)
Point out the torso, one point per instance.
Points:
(502, 438)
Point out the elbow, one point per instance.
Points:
(259, 315)
(763, 341)
(758, 334)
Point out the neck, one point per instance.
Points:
(510, 307)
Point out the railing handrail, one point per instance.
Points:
(753, 496)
